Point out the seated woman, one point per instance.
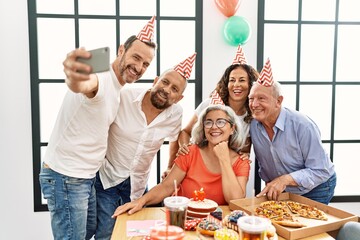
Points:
(213, 163)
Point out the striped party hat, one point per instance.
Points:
(216, 99)
(146, 34)
(239, 57)
(185, 67)
(266, 77)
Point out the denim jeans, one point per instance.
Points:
(72, 205)
(107, 202)
(324, 192)
(349, 231)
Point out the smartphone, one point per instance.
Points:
(99, 60)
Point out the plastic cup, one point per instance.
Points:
(176, 208)
(252, 227)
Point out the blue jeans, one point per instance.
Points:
(72, 205)
(324, 192)
(107, 202)
(349, 231)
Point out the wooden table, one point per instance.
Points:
(158, 213)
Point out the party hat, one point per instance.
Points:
(266, 77)
(216, 99)
(146, 34)
(240, 56)
(185, 67)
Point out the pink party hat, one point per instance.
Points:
(185, 67)
(266, 77)
(240, 56)
(216, 99)
(146, 34)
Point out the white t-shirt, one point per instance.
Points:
(133, 144)
(78, 143)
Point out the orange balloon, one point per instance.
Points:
(228, 7)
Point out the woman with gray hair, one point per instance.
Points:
(212, 163)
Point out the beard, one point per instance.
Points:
(128, 78)
(158, 102)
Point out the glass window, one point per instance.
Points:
(346, 113)
(275, 9)
(319, 10)
(96, 7)
(55, 39)
(314, 102)
(177, 8)
(349, 10)
(348, 53)
(345, 153)
(92, 32)
(289, 93)
(185, 46)
(286, 58)
(132, 7)
(317, 51)
(55, 7)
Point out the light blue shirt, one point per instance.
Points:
(295, 149)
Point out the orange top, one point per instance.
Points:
(198, 176)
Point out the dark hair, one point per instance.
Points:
(133, 38)
(222, 85)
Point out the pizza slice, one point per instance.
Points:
(306, 211)
(273, 204)
(287, 221)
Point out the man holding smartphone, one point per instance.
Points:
(145, 118)
(78, 143)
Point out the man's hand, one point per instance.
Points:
(274, 188)
(78, 75)
(130, 208)
(183, 149)
(75, 70)
(245, 156)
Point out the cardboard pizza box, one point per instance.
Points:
(336, 217)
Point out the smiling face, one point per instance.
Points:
(167, 90)
(130, 65)
(238, 85)
(215, 135)
(265, 106)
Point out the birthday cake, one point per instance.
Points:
(199, 206)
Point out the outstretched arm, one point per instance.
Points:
(78, 77)
(155, 195)
(274, 188)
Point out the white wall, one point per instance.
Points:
(18, 220)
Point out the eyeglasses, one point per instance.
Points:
(220, 123)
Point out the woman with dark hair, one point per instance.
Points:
(233, 88)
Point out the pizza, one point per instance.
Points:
(278, 215)
(306, 211)
(284, 212)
